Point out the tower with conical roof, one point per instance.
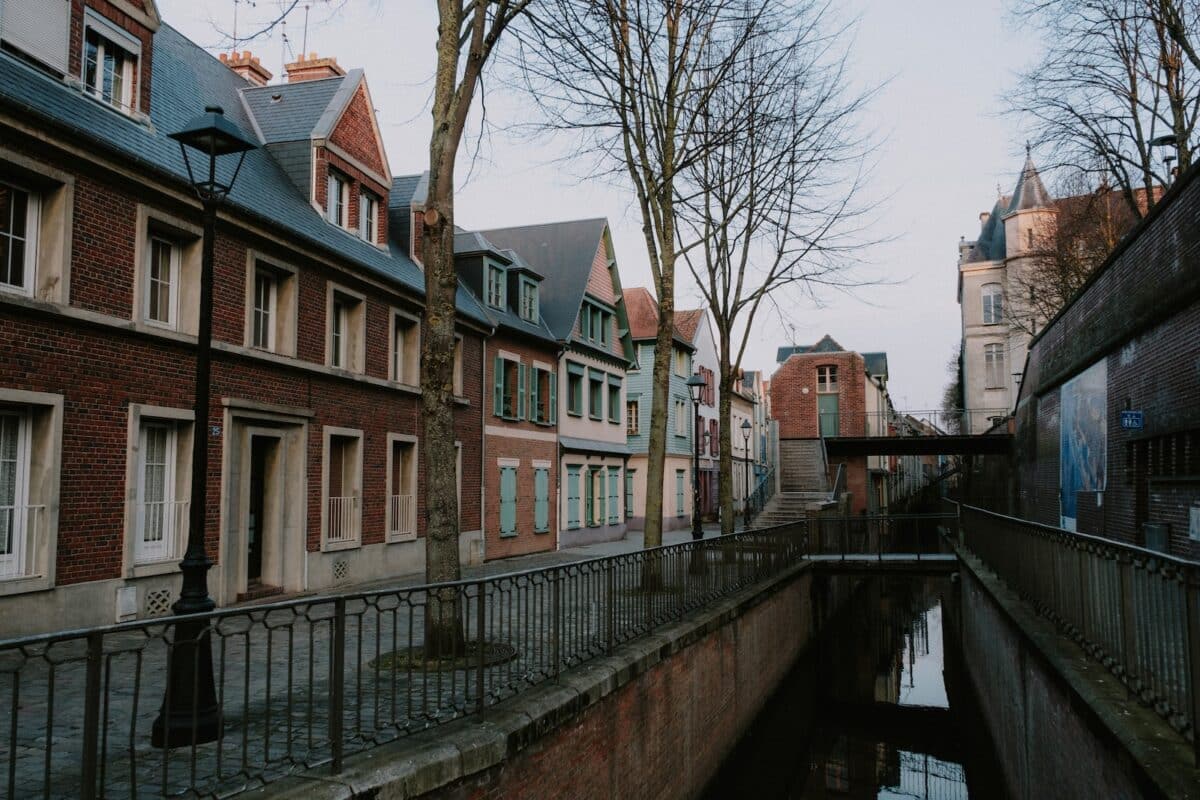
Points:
(1011, 236)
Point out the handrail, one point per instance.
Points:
(839, 482)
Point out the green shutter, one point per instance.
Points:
(572, 497)
(508, 501)
(679, 493)
(614, 498)
(628, 494)
(522, 379)
(498, 387)
(541, 499)
(587, 499)
(599, 495)
(553, 402)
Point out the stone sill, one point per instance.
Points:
(434, 759)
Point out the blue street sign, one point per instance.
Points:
(1133, 420)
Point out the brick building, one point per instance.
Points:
(315, 467)
(583, 306)
(1128, 342)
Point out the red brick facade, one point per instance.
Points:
(794, 394)
(355, 132)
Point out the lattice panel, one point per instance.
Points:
(158, 602)
(341, 571)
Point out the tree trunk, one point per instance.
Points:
(725, 475)
(660, 384)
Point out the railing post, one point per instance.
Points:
(337, 673)
(1128, 634)
(1192, 601)
(611, 580)
(845, 535)
(556, 612)
(480, 614)
(91, 715)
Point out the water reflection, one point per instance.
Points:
(877, 708)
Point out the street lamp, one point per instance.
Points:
(1164, 141)
(746, 428)
(695, 383)
(192, 715)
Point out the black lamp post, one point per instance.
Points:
(190, 713)
(695, 383)
(746, 428)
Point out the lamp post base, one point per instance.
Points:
(190, 713)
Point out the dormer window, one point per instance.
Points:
(495, 286)
(529, 300)
(110, 59)
(368, 214)
(337, 205)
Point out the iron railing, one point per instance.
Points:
(162, 531)
(924, 422)
(342, 520)
(879, 537)
(403, 515)
(306, 682)
(1136, 611)
(20, 527)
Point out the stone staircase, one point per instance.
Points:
(803, 482)
(787, 507)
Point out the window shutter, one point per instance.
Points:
(522, 393)
(508, 500)
(599, 492)
(614, 509)
(552, 404)
(679, 493)
(40, 29)
(498, 384)
(628, 494)
(573, 497)
(541, 502)
(587, 499)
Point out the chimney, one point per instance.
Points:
(983, 217)
(247, 66)
(312, 68)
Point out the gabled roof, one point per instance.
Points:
(1030, 191)
(642, 309)
(687, 322)
(563, 252)
(290, 112)
(473, 243)
(184, 79)
(825, 345)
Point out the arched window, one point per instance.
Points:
(993, 303)
(993, 366)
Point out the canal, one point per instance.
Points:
(877, 707)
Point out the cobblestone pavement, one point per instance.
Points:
(273, 665)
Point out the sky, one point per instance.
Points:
(944, 66)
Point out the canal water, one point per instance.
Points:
(877, 707)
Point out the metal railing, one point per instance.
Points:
(839, 482)
(403, 509)
(924, 422)
(342, 520)
(19, 540)
(306, 682)
(879, 537)
(1135, 611)
(162, 528)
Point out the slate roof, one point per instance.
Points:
(1030, 191)
(876, 364)
(563, 252)
(990, 245)
(825, 345)
(471, 242)
(185, 78)
(295, 114)
(578, 445)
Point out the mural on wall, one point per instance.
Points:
(1082, 439)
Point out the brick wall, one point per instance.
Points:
(358, 179)
(794, 394)
(355, 132)
(136, 29)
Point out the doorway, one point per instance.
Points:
(827, 410)
(260, 450)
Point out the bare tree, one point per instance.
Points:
(632, 78)
(775, 207)
(1113, 80)
(953, 399)
(468, 32)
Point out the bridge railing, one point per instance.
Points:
(922, 422)
(1135, 611)
(304, 683)
(879, 537)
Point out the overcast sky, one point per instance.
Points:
(946, 64)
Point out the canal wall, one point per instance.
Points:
(1062, 725)
(655, 719)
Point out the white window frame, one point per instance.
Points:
(111, 36)
(681, 413)
(994, 359)
(11, 563)
(633, 416)
(681, 363)
(265, 320)
(337, 198)
(349, 342)
(529, 300)
(40, 473)
(177, 483)
(356, 492)
(494, 294)
(161, 550)
(413, 443)
(991, 296)
(368, 216)
(827, 379)
(400, 370)
(31, 238)
(172, 320)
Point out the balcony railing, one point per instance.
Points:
(20, 534)
(403, 511)
(163, 530)
(342, 523)
(924, 422)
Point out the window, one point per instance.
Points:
(402, 489)
(337, 207)
(632, 418)
(594, 495)
(458, 366)
(108, 67)
(529, 300)
(574, 389)
(18, 238)
(345, 346)
(614, 400)
(41, 32)
(628, 493)
(595, 394)
(680, 482)
(264, 309)
(681, 363)
(541, 498)
(368, 216)
(543, 396)
(30, 462)
(993, 366)
(614, 495)
(993, 304)
(714, 438)
(827, 379)
(508, 501)
(162, 283)
(161, 514)
(495, 286)
(343, 487)
(406, 349)
(572, 498)
(17, 518)
(681, 417)
(509, 384)
(594, 323)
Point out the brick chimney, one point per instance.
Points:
(312, 68)
(247, 66)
